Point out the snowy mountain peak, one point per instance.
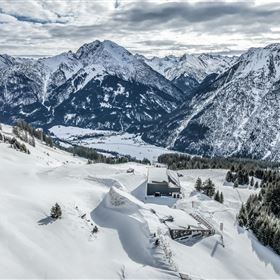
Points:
(261, 62)
(87, 48)
(104, 77)
(274, 46)
(96, 48)
(236, 115)
(54, 62)
(192, 66)
(6, 60)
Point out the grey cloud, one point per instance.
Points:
(138, 27)
(203, 17)
(171, 43)
(191, 13)
(157, 42)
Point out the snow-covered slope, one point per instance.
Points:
(236, 115)
(35, 246)
(188, 71)
(122, 143)
(6, 60)
(242, 257)
(116, 60)
(194, 66)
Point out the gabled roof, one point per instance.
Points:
(173, 177)
(163, 175)
(157, 175)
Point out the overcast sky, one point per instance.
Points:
(44, 27)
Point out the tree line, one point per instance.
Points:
(94, 157)
(27, 133)
(261, 212)
(208, 188)
(177, 161)
(14, 143)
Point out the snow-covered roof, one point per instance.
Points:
(157, 175)
(160, 175)
(173, 177)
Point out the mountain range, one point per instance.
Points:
(235, 114)
(204, 104)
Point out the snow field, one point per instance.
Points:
(35, 246)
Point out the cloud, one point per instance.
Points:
(151, 27)
(203, 16)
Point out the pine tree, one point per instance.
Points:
(208, 188)
(256, 185)
(246, 178)
(198, 185)
(217, 196)
(15, 131)
(229, 177)
(252, 181)
(56, 211)
(276, 241)
(221, 198)
(32, 141)
(242, 216)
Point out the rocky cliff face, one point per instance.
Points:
(237, 114)
(102, 85)
(188, 71)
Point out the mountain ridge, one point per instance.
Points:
(234, 115)
(35, 89)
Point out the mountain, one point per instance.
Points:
(236, 114)
(6, 60)
(188, 71)
(102, 85)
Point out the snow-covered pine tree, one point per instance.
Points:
(217, 196)
(252, 182)
(276, 240)
(229, 176)
(221, 197)
(208, 188)
(198, 185)
(56, 211)
(242, 216)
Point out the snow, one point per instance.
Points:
(238, 114)
(156, 174)
(117, 61)
(243, 256)
(35, 246)
(195, 66)
(121, 142)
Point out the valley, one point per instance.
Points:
(140, 139)
(106, 141)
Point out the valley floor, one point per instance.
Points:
(122, 143)
(34, 246)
